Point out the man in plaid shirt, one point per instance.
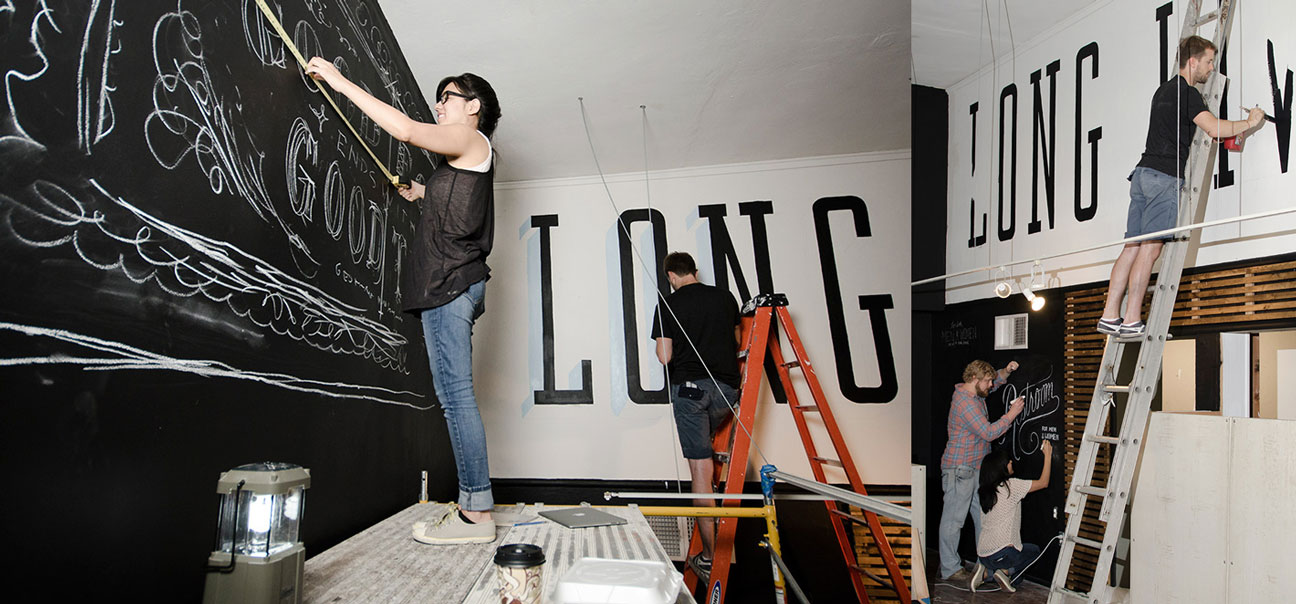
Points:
(970, 433)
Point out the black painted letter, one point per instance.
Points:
(1048, 154)
(1008, 227)
(876, 306)
(551, 395)
(1083, 213)
(629, 318)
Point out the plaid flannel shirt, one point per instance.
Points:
(970, 430)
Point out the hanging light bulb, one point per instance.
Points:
(1002, 289)
(1036, 301)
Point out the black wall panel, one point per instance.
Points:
(198, 269)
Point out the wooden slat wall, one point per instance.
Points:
(870, 559)
(1237, 296)
(1081, 357)
(1228, 298)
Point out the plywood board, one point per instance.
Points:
(1262, 527)
(1178, 532)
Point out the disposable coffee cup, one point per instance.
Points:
(519, 568)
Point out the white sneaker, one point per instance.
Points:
(1004, 582)
(978, 575)
(450, 529)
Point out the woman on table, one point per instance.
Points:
(443, 278)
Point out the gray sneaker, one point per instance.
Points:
(450, 529)
(1004, 582)
(1132, 330)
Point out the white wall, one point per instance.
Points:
(1235, 374)
(615, 438)
(1127, 35)
(1273, 373)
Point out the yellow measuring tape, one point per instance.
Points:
(283, 35)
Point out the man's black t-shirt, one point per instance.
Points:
(1166, 150)
(708, 315)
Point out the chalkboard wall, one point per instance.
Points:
(965, 332)
(198, 267)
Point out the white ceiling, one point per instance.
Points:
(952, 39)
(723, 82)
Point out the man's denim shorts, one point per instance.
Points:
(1154, 202)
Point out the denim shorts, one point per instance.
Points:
(700, 408)
(1154, 202)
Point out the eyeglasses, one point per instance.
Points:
(446, 94)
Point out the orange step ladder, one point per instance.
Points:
(758, 319)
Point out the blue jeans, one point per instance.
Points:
(447, 332)
(960, 485)
(1011, 557)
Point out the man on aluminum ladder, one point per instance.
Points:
(1155, 183)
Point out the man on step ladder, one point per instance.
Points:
(1177, 107)
(697, 335)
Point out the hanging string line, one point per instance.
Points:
(674, 430)
(652, 273)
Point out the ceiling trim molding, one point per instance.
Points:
(716, 170)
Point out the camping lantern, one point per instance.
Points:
(258, 558)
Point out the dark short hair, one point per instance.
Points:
(679, 263)
(1193, 47)
(476, 88)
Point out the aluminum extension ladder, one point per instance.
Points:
(1147, 372)
(759, 316)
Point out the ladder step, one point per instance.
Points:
(1116, 388)
(810, 407)
(830, 462)
(1106, 440)
(1090, 543)
(1206, 18)
(1092, 491)
(792, 364)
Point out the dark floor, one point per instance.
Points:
(1027, 593)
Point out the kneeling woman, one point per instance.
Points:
(1000, 548)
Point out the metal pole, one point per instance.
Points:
(866, 502)
(1156, 235)
(610, 495)
(702, 512)
(796, 589)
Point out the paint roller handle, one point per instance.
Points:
(413, 191)
(1262, 115)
